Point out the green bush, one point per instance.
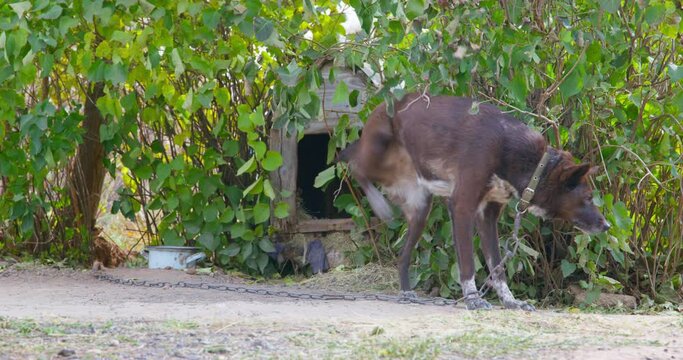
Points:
(191, 90)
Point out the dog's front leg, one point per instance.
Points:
(462, 209)
(488, 233)
(416, 213)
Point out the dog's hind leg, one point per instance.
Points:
(488, 234)
(416, 213)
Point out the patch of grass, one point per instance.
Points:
(21, 326)
(216, 349)
(396, 348)
(180, 325)
(484, 343)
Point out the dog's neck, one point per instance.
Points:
(526, 161)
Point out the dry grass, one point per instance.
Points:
(369, 278)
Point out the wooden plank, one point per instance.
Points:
(284, 179)
(328, 225)
(324, 225)
(319, 127)
(353, 81)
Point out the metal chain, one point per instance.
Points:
(278, 293)
(498, 269)
(404, 299)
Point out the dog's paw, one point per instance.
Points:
(518, 305)
(477, 303)
(408, 294)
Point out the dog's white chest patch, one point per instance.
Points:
(500, 191)
(436, 187)
(538, 211)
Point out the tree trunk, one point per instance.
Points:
(86, 175)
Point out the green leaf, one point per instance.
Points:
(208, 240)
(308, 6)
(289, 75)
(172, 203)
(272, 161)
(592, 295)
(341, 94)
(263, 28)
(237, 230)
(163, 171)
(268, 189)
(572, 85)
(177, 163)
(177, 62)
(567, 268)
(415, 8)
(324, 177)
(281, 210)
(261, 213)
(227, 215)
(143, 172)
(248, 166)
(519, 87)
(232, 250)
(621, 216)
(21, 7)
(529, 251)
(222, 96)
(675, 72)
(211, 213)
(54, 12)
(207, 186)
(611, 6)
(117, 74)
(262, 261)
(266, 245)
(255, 188)
(654, 14)
(171, 238)
(353, 98)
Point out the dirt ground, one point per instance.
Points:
(48, 313)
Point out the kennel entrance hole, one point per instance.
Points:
(312, 159)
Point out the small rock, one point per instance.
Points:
(260, 344)
(66, 353)
(114, 343)
(96, 266)
(316, 257)
(605, 299)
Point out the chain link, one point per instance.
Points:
(277, 293)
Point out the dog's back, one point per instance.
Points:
(431, 144)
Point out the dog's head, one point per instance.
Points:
(565, 194)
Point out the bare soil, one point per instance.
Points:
(48, 313)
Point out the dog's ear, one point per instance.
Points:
(573, 174)
(594, 170)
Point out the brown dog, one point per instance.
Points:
(477, 160)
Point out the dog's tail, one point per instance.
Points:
(377, 201)
(379, 204)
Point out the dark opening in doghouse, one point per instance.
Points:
(312, 159)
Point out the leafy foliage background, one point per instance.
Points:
(189, 90)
